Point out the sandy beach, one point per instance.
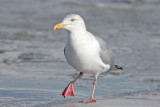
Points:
(142, 99)
(34, 71)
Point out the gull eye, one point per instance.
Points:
(72, 20)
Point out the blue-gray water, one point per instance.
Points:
(33, 70)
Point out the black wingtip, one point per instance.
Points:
(118, 67)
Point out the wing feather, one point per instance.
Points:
(106, 54)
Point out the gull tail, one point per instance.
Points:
(118, 67)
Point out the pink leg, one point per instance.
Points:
(69, 90)
(91, 99)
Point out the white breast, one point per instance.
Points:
(83, 54)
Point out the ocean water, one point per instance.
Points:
(33, 69)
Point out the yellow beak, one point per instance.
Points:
(59, 25)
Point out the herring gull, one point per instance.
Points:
(84, 52)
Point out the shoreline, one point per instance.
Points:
(133, 99)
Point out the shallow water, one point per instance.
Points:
(34, 70)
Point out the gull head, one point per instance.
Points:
(72, 22)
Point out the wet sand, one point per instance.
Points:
(33, 69)
(138, 99)
(132, 100)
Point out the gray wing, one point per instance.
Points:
(106, 54)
